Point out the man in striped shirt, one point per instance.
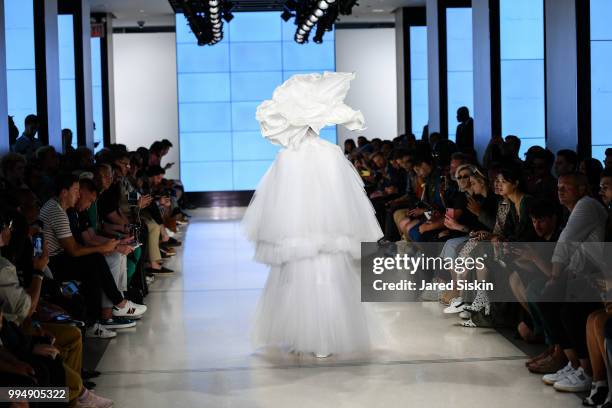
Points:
(71, 261)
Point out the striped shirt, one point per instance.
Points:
(56, 225)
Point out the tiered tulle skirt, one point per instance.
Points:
(307, 220)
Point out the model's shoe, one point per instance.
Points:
(322, 355)
(598, 395)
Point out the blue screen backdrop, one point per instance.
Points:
(522, 71)
(20, 63)
(601, 79)
(219, 88)
(459, 64)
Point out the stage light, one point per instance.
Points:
(309, 23)
(323, 5)
(214, 10)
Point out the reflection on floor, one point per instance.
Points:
(192, 348)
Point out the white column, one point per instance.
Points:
(111, 77)
(433, 66)
(86, 67)
(4, 137)
(561, 75)
(400, 60)
(54, 118)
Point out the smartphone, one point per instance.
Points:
(38, 240)
(135, 245)
(70, 288)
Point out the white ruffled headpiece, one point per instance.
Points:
(307, 101)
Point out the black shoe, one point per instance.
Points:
(162, 271)
(171, 242)
(88, 374)
(597, 397)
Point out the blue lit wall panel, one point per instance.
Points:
(204, 87)
(248, 173)
(207, 146)
(21, 69)
(419, 94)
(601, 79)
(459, 60)
(220, 88)
(522, 71)
(205, 117)
(207, 175)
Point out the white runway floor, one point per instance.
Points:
(192, 348)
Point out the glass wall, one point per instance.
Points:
(219, 88)
(419, 107)
(20, 60)
(522, 71)
(96, 82)
(67, 74)
(601, 77)
(459, 64)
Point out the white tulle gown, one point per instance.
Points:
(307, 219)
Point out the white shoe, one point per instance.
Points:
(97, 331)
(551, 379)
(456, 306)
(90, 400)
(130, 310)
(170, 233)
(321, 355)
(576, 381)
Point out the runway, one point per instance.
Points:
(192, 348)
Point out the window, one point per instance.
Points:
(459, 64)
(522, 71)
(96, 82)
(67, 74)
(601, 79)
(419, 107)
(219, 88)
(20, 60)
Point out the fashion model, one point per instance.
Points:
(307, 220)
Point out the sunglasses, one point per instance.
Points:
(463, 177)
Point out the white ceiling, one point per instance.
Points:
(158, 12)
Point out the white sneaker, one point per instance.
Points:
(90, 400)
(576, 381)
(551, 379)
(465, 315)
(130, 310)
(97, 331)
(456, 306)
(170, 233)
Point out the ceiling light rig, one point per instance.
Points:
(205, 18)
(319, 13)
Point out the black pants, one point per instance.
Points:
(95, 276)
(565, 323)
(380, 206)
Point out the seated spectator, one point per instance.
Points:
(13, 170)
(567, 324)
(71, 261)
(566, 162)
(592, 169)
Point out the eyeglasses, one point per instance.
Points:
(462, 177)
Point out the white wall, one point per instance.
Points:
(370, 53)
(146, 103)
